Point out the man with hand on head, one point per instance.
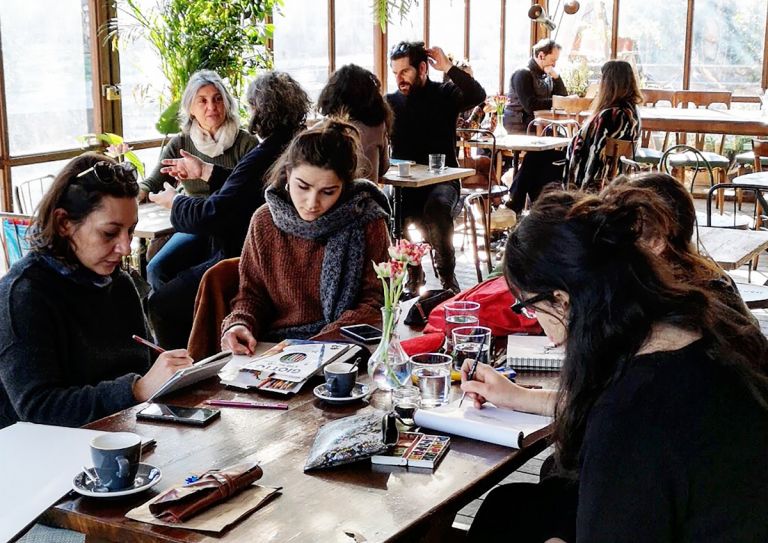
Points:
(425, 123)
(531, 88)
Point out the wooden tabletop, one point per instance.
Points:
(732, 248)
(380, 503)
(758, 179)
(521, 142)
(421, 176)
(154, 221)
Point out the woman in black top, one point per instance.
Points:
(661, 419)
(67, 310)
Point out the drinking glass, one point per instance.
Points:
(436, 163)
(405, 401)
(432, 373)
(459, 314)
(473, 342)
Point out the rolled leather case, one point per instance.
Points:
(182, 503)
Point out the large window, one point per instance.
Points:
(47, 64)
(517, 38)
(354, 34)
(585, 37)
(446, 29)
(649, 38)
(484, 42)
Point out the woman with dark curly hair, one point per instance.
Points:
(355, 92)
(279, 110)
(68, 310)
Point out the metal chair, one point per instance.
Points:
(29, 193)
(677, 156)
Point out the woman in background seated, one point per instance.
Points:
(67, 311)
(306, 264)
(614, 115)
(661, 419)
(279, 109)
(210, 129)
(356, 92)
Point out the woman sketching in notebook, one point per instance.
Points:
(661, 419)
(68, 311)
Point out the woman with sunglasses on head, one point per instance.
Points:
(306, 264)
(661, 418)
(69, 311)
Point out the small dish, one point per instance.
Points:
(360, 391)
(146, 477)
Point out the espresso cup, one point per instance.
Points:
(404, 169)
(340, 379)
(116, 459)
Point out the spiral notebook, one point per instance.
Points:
(534, 353)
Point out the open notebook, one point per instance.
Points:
(491, 424)
(533, 353)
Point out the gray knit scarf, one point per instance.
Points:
(342, 229)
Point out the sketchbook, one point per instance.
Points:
(491, 424)
(195, 373)
(533, 353)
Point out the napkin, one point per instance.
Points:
(183, 502)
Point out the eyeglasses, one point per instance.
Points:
(404, 48)
(524, 307)
(107, 172)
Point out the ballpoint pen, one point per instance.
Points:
(157, 348)
(236, 403)
(470, 376)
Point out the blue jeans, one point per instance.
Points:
(180, 253)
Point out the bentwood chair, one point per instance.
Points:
(29, 193)
(647, 154)
(615, 150)
(13, 232)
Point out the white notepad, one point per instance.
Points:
(533, 353)
(491, 424)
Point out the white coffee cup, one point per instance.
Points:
(404, 169)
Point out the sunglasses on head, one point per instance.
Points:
(107, 172)
(524, 307)
(404, 47)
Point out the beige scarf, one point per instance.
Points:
(216, 145)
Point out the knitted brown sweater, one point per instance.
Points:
(280, 278)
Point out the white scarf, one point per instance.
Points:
(216, 145)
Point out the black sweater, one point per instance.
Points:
(66, 354)
(236, 194)
(676, 450)
(425, 120)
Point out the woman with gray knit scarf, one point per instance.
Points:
(306, 263)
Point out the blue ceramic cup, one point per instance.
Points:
(116, 459)
(340, 379)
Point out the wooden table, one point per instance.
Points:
(757, 179)
(517, 143)
(380, 503)
(732, 248)
(420, 176)
(154, 221)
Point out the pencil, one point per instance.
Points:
(470, 376)
(157, 348)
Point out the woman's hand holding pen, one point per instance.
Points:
(164, 367)
(239, 340)
(488, 385)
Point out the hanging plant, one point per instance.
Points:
(383, 10)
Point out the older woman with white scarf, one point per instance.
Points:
(210, 130)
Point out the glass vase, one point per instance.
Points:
(388, 365)
(499, 131)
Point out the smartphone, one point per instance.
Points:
(196, 416)
(362, 332)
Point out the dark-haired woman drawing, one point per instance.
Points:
(355, 92)
(67, 311)
(306, 264)
(661, 419)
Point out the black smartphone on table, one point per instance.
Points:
(362, 332)
(196, 416)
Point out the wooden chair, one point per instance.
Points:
(13, 231)
(647, 155)
(749, 159)
(614, 151)
(29, 193)
(571, 105)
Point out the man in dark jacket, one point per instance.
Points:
(425, 123)
(531, 88)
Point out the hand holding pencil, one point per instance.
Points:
(168, 363)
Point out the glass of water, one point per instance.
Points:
(459, 314)
(405, 401)
(436, 163)
(473, 342)
(431, 372)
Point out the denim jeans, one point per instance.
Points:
(180, 253)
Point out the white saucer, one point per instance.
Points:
(146, 477)
(359, 391)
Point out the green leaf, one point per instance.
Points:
(168, 123)
(134, 159)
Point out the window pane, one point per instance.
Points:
(517, 39)
(142, 83)
(484, 28)
(411, 28)
(652, 38)
(354, 34)
(727, 50)
(23, 174)
(46, 52)
(301, 43)
(446, 30)
(586, 38)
